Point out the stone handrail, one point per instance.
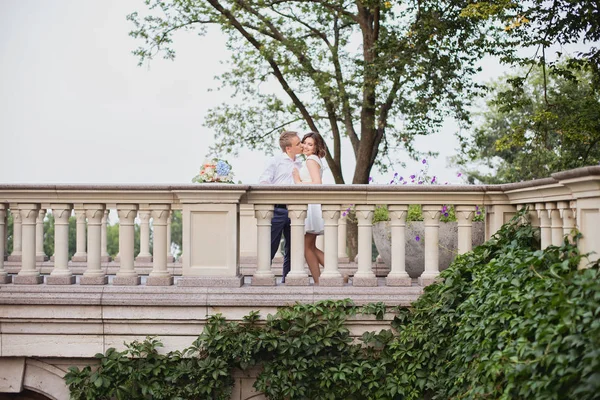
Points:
(219, 228)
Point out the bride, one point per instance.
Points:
(312, 173)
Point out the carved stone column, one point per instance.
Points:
(567, 213)
(127, 276)
(170, 258)
(464, 218)
(4, 277)
(556, 224)
(496, 216)
(94, 275)
(29, 274)
(431, 217)
(40, 256)
(144, 256)
(104, 256)
(342, 239)
(263, 276)
(364, 275)
(398, 275)
(17, 234)
(61, 275)
(297, 275)
(160, 276)
(331, 275)
(545, 226)
(80, 250)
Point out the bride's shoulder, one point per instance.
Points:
(314, 158)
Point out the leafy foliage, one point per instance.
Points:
(506, 321)
(537, 126)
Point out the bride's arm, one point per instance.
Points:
(314, 169)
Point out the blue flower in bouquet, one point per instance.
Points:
(223, 168)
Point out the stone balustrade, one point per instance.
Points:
(59, 312)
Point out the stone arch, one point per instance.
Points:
(45, 379)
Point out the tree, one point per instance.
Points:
(547, 124)
(377, 73)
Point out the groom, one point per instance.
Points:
(279, 172)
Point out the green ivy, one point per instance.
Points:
(505, 321)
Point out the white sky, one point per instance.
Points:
(76, 108)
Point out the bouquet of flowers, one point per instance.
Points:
(214, 171)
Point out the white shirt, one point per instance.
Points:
(279, 170)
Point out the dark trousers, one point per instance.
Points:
(280, 225)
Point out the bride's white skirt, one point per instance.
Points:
(314, 220)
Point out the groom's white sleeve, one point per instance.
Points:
(268, 175)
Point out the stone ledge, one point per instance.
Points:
(159, 281)
(28, 280)
(93, 280)
(364, 282)
(60, 280)
(297, 281)
(221, 282)
(127, 280)
(405, 281)
(263, 281)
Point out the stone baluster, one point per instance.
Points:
(93, 274)
(342, 244)
(127, 276)
(170, 258)
(263, 276)
(5, 254)
(532, 215)
(4, 277)
(556, 224)
(40, 256)
(160, 276)
(80, 250)
(364, 275)
(464, 218)
(331, 275)
(431, 217)
(61, 275)
(144, 256)
(398, 275)
(17, 234)
(29, 274)
(104, 256)
(567, 214)
(496, 216)
(545, 226)
(297, 275)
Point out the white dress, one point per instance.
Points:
(314, 218)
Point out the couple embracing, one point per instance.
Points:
(287, 169)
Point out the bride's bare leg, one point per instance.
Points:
(311, 257)
(320, 255)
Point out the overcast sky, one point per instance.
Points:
(76, 108)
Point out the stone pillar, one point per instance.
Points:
(144, 256)
(297, 275)
(29, 274)
(17, 234)
(342, 232)
(160, 276)
(104, 256)
(398, 275)
(331, 275)
(93, 274)
(61, 275)
(40, 256)
(263, 276)
(556, 225)
(545, 231)
(4, 277)
(80, 251)
(170, 258)
(127, 276)
(5, 254)
(248, 234)
(431, 217)
(364, 275)
(496, 216)
(567, 214)
(464, 218)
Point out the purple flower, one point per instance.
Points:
(405, 182)
(392, 181)
(344, 214)
(396, 174)
(424, 161)
(420, 182)
(445, 183)
(459, 175)
(433, 180)
(401, 179)
(417, 238)
(412, 177)
(370, 178)
(445, 214)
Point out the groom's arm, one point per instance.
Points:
(268, 176)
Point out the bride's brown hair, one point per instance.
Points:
(320, 148)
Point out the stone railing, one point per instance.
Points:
(60, 312)
(223, 224)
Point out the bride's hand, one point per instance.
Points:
(296, 175)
